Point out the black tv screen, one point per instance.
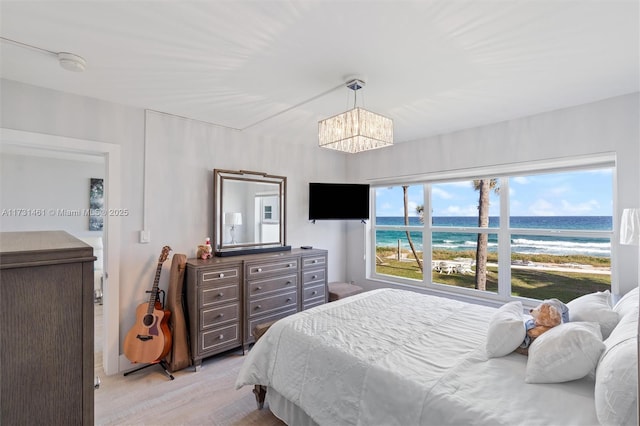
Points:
(338, 201)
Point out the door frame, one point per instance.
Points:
(111, 290)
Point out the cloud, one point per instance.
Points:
(570, 209)
(470, 210)
(437, 191)
(522, 180)
(560, 190)
(541, 207)
(385, 209)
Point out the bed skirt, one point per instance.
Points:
(287, 411)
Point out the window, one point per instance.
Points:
(538, 235)
(399, 232)
(560, 231)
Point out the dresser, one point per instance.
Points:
(314, 280)
(46, 312)
(227, 297)
(213, 296)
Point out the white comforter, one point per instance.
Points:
(393, 357)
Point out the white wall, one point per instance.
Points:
(44, 193)
(610, 125)
(171, 192)
(176, 179)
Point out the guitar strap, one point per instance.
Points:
(178, 357)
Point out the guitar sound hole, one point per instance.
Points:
(147, 320)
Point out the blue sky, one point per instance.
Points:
(577, 193)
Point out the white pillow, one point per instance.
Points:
(629, 301)
(567, 352)
(616, 393)
(594, 307)
(506, 330)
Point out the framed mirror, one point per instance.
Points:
(249, 212)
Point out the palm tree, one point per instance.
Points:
(406, 222)
(484, 186)
(420, 211)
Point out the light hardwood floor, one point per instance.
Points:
(206, 397)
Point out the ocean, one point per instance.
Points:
(519, 243)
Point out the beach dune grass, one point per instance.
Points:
(532, 283)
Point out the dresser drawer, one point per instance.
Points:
(317, 291)
(314, 276)
(257, 270)
(312, 303)
(309, 262)
(212, 317)
(258, 288)
(212, 295)
(272, 303)
(219, 337)
(219, 276)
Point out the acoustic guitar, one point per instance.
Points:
(149, 340)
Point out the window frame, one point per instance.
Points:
(503, 231)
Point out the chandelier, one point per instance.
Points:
(355, 130)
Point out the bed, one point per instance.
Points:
(394, 357)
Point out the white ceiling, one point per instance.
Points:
(432, 66)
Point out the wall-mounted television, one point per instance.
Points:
(338, 201)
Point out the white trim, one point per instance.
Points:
(111, 291)
(600, 160)
(504, 231)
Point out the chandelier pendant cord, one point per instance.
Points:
(355, 97)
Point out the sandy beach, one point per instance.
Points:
(568, 267)
(564, 267)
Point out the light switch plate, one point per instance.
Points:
(145, 237)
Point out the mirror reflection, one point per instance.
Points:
(248, 212)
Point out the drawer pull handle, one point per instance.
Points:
(314, 261)
(220, 294)
(289, 299)
(259, 269)
(288, 282)
(221, 275)
(258, 307)
(313, 277)
(290, 265)
(220, 337)
(220, 315)
(259, 287)
(314, 292)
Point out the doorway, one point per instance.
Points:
(111, 234)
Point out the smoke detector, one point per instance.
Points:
(71, 62)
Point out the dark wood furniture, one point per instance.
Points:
(227, 297)
(213, 295)
(260, 391)
(46, 312)
(314, 280)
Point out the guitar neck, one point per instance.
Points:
(154, 290)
